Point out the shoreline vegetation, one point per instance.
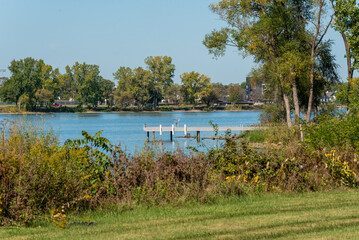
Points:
(12, 109)
(92, 174)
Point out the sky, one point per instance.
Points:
(115, 33)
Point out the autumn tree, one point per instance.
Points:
(264, 29)
(173, 93)
(123, 92)
(50, 86)
(162, 70)
(235, 93)
(195, 86)
(134, 86)
(279, 36)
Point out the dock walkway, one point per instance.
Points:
(186, 129)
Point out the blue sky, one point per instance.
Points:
(114, 33)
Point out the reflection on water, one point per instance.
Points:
(126, 128)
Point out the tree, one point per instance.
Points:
(123, 93)
(264, 29)
(195, 86)
(50, 87)
(162, 71)
(107, 87)
(275, 33)
(44, 96)
(140, 86)
(173, 94)
(346, 13)
(86, 81)
(68, 88)
(28, 77)
(317, 36)
(236, 93)
(134, 86)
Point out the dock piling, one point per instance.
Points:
(172, 129)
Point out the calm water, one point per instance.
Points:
(126, 128)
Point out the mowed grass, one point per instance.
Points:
(331, 215)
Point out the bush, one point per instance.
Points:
(37, 175)
(272, 113)
(334, 132)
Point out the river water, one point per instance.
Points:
(126, 128)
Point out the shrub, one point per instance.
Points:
(334, 132)
(272, 113)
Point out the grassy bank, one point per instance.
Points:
(330, 215)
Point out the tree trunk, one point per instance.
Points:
(304, 113)
(287, 109)
(315, 111)
(311, 83)
(315, 44)
(350, 70)
(296, 102)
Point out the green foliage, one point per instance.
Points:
(162, 70)
(89, 172)
(346, 22)
(73, 173)
(236, 93)
(257, 136)
(353, 95)
(195, 86)
(276, 35)
(334, 132)
(142, 87)
(107, 95)
(31, 81)
(86, 83)
(271, 113)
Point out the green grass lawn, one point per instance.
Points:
(333, 215)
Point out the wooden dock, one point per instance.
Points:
(186, 129)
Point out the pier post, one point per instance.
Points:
(153, 136)
(148, 136)
(198, 136)
(171, 136)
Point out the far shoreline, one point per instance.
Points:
(66, 109)
(155, 111)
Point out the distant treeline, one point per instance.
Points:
(34, 84)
